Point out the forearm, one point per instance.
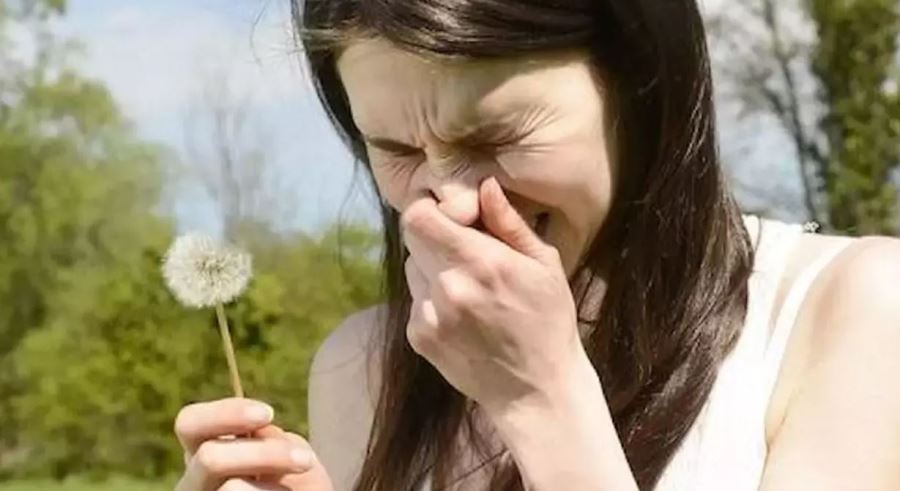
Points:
(567, 440)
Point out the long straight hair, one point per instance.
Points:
(674, 245)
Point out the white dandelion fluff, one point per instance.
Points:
(201, 272)
(204, 273)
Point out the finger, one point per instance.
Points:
(422, 327)
(423, 315)
(461, 207)
(216, 461)
(318, 474)
(299, 441)
(427, 260)
(269, 431)
(505, 223)
(416, 279)
(275, 432)
(248, 485)
(439, 234)
(203, 421)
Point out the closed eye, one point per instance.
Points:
(393, 147)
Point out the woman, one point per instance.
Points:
(574, 301)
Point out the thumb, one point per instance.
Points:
(502, 220)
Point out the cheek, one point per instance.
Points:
(574, 180)
(395, 182)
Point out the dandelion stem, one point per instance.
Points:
(229, 351)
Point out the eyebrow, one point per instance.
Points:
(494, 133)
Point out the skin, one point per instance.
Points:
(493, 312)
(267, 459)
(422, 122)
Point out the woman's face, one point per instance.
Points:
(437, 128)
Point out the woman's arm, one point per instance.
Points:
(567, 440)
(494, 314)
(841, 428)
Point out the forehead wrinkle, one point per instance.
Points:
(482, 99)
(431, 98)
(431, 110)
(448, 101)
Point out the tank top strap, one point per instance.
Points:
(790, 311)
(773, 241)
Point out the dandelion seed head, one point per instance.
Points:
(201, 272)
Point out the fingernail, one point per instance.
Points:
(302, 458)
(260, 413)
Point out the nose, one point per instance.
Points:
(457, 198)
(455, 186)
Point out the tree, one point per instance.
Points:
(230, 153)
(96, 356)
(828, 72)
(67, 158)
(119, 356)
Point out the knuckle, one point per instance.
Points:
(210, 460)
(298, 441)
(182, 425)
(405, 219)
(235, 485)
(412, 217)
(419, 340)
(423, 339)
(411, 270)
(456, 292)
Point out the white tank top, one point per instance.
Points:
(726, 446)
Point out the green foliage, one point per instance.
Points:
(835, 94)
(119, 357)
(302, 289)
(96, 357)
(75, 184)
(856, 61)
(114, 484)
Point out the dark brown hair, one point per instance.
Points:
(674, 246)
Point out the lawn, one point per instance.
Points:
(85, 485)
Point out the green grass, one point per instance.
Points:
(86, 485)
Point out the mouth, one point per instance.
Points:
(539, 224)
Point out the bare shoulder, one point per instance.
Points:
(348, 343)
(342, 395)
(855, 295)
(840, 424)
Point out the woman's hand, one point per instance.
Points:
(269, 460)
(495, 315)
(492, 311)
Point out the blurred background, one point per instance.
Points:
(123, 123)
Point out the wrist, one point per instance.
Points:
(565, 438)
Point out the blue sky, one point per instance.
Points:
(152, 55)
